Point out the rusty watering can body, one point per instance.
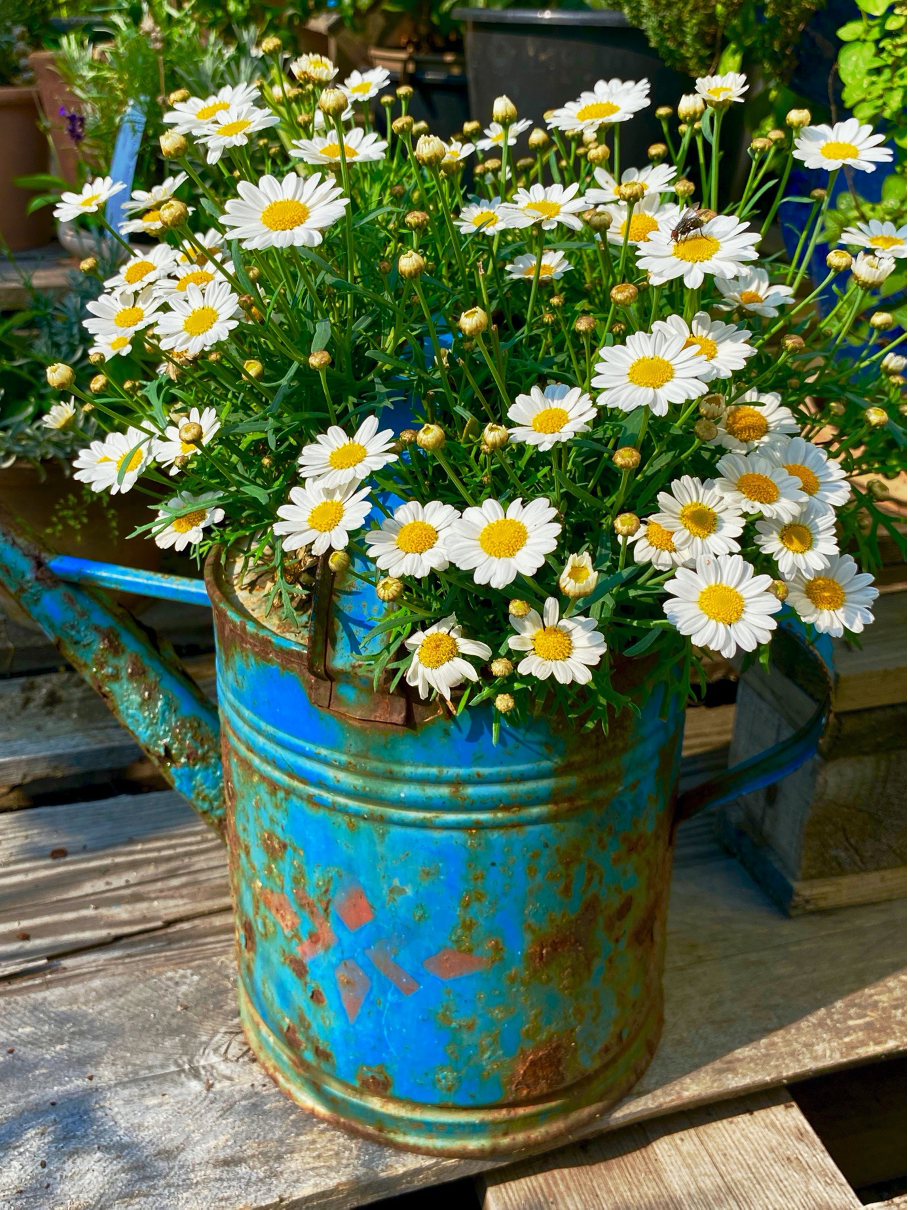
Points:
(449, 945)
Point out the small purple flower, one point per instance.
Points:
(75, 124)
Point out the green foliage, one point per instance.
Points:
(22, 23)
(872, 66)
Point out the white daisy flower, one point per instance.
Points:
(802, 543)
(847, 144)
(101, 463)
(565, 648)
(122, 313)
(154, 198)
(186, 529)
(544, 418)
(183, 276)
(552, 266)
(755, 483)
(722, 246)
(720, 90)
(363, 86)
(233, 128)
(412, 542)
(318, 69)
(88, 200)
(835, 599)
(488, 218)
(701, 519)
(360, 147)
(437, 658)
(752, 291)
(821, 478)
(579, 577)
(212, 241)
(333, 458)
(893, 363)
(198, 319)
(722, 605)
(655, 178)
(322, 125)
(885, 239)
(497, 546)
(111, 346)
(652, 369)
(646, 217)
(283, 214)
(754, 419)
(725, 346)
(495, 134)
(549, 205)
(61, 415)
(607, 102)
(456, 151)
(323, 516)
(143, 269)
(192, 116)
(870, 270)
(171, 446)
(655, 544)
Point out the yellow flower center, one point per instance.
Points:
(89, 200)
(483, 217)
(578, 572)
(189, 521)
(208, 111)
(502, 539)
(659, 537)
(721, 603)
(549, 420)
(719, 91)
(347, 455)
(698, 519)
(546, 269)
(641, 226)
(750, 296)
(229, 129)
(128, 317)
(137, 270)
(707, 347)
(151, 216)
(195, 277)
(825, 593)
(544, 208)
(332, 150)
(415, 537)
(498, 137)
(696, 248)
(284, 215)
(436, 649)
(552, 643)
(746, 423)
(650, 372)
(326, 516)
(808, 480)
(134, 462)
(187, 447)
(199, 321)
(796, 538)
(364, 86)
(119, 342)
(597, 109)
(760, 488)
(884, 241)
(834, 150)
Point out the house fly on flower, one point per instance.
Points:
(691, 220)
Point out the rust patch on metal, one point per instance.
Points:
(542, 1069)
(317, 996)
(291, 1033)
(297, 965)
(273, 845)
(354, 908)
(281, 909)
(322, 1052)
(322, 936)
(374, 1079)
(569, 949)
(353, 984)
(248, 934)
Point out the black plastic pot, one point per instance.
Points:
(542, 58)
(439, 88)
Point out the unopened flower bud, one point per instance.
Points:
(339, 561)
(402, 125)
(473, 322)
(893, 363)
(882, 320)
(132, 385)
(585, 324)
(270, 46)
(590, 137)
(96, 359)
(518, 608)
(632, 191)
(525, 163)
(253, 368)
(333, 102)
(776, 136)
(503, 110)
(837, 408)
(471, 128)
(792, 343)
(549, 318)
(60, 376)
(705, 430)
(839, 260)
(384, 267)
(624, 294)
(618, 328)
(420, 128)
(504, 703)
(875, 417)
(416, 220)
(501, 667)
(663, 113)
(319, 360)
(796, 118)
(494, 436)
(88, 265)
(626, 458)
(705, 214)
(869, 271)
(598, 155)
(557, 300)
(173, 145)
(430, 150)
(626, 524)
(173, 214)
(404, 92)
(389, 588)
(690, 107)
(431, 437)
(178, 96)
(190, 432)
(410, 264)
(98, 384)
(818, 195)
(386, 100)
(712, 406)
(598, 219)
(408, 436)
(579, 577)
(878, 489)
(656, 152)
(492, 165)
(683, 128)
(214, 355)
(779, 589)
(684, 188)
(760, 146)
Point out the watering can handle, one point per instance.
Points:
(766, 767)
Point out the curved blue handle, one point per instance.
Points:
(129, 579)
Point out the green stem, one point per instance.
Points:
(780, 193)
(535, 286)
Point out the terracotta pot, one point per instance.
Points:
(54, 96)
(23, 151)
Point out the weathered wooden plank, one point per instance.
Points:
(759, 1153)
(27, 760)
(874, 673)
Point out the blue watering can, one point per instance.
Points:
(448, 945)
